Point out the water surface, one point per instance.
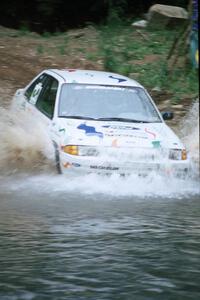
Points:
(58, 241)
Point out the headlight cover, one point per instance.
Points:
(177, 154)
(80, 150)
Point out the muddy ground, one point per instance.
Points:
(23, 56)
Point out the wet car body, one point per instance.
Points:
(102, 122)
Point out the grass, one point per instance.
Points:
(24, 30)
(138, 53)
(126, 50)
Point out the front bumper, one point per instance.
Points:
(81, 165)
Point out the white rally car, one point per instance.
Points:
(102, 122)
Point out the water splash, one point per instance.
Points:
(97, 187)
(189, 133)
(24, 145)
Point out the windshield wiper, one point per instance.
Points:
(122, 120)
(107, 119)
(77, 117)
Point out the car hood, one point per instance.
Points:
(117, 134)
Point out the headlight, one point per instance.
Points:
(70, 149)
(80, 150)
(177, 154)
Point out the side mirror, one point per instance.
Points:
(167, 115)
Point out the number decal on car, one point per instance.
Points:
(35, 93)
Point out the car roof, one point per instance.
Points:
(93, 77)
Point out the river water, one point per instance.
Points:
(91, 237)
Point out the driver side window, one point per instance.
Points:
(33, 90)
(42, 93)
(47, 97)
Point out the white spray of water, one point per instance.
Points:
(133, 186)
(189, 132)
(24, 145)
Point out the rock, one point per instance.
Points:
(177, 106)
(140, 24)
(165, 15)
(156, 89)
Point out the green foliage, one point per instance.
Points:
(152, 75)
(46, 34)
(113, 18)
(90, 56)
(23, 30)
(184, 82)
(143, 56)
(110, 61)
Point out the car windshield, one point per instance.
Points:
(102, 102)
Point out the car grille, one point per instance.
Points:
(133, 154)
